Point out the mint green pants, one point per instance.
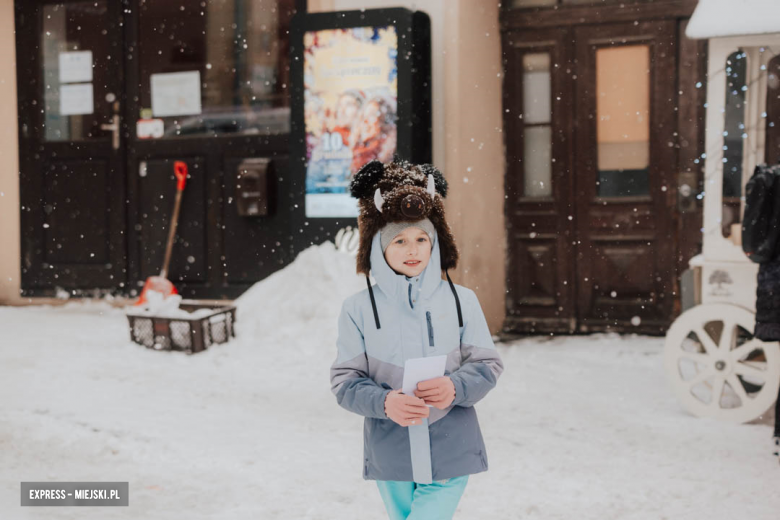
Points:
(411, 501)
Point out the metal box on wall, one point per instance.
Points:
(252, 187)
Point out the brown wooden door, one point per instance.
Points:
(539, 182)
(625, 175)
(591, 118)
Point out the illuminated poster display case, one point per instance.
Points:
(361, 90)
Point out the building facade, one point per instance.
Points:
(570, 131)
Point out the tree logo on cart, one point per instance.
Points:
(719, 278)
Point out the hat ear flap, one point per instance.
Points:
(438, 178)
(448, 250)
(369, 223)
(363, 259)
(364, 181)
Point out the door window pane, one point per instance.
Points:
(537, 130)
(536, 88)
(214, 67)
(733, 134)
(734, 124)
(76, 52)
(623, 120)
(537, 154)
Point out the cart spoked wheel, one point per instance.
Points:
(717, 368)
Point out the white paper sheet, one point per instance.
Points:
(76, 99)
(149, 128)
(422, 369)
(75, 67)
(176, 94)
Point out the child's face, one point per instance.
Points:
(409, 252)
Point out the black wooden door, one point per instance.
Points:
(111, 93)
(72, 178)
(213, 79)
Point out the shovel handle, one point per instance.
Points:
(180, 171)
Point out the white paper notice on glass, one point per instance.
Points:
(76, 99)
(176, 94)
(422, 369)
(75, 67)
(149, 128)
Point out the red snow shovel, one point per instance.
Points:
(160, 283)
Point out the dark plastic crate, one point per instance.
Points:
(190, 335)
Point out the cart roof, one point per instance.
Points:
(715, 18)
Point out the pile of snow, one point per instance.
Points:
(299, 305)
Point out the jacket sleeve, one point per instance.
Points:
(480, 363)
(349, 380)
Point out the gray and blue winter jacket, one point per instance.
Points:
(417, 317)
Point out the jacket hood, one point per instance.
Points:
(394, 285)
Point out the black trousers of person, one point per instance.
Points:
(768, 313)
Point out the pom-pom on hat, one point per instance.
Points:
(400, 192)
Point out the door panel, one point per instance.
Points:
(74, 215)
(536, 260)
(70, 83)
(621, 270)
(625, 177)
(537, 119)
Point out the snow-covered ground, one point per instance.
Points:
(577, 428)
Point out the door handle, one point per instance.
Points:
(686, 198)
(113, 126)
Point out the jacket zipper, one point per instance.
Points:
(430, 328)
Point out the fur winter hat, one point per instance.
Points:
(400, 192)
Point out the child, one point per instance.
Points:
(420, 456)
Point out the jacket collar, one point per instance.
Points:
(394, 285)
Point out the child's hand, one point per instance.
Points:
(405, 409)
(438, 392)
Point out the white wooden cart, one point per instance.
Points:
(715, 366)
